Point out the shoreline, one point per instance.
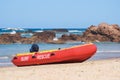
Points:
(89, 60)
(89, 70)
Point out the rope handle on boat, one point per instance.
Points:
(52, 54)
(34, 55)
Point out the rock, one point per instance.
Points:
(45, 36)
(65, 37)
(71, 37)
(36, 38)
(56, 42)
(9, 38)
(102, 32)
(27, 41)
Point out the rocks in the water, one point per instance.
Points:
(9, 38)
(36, 38)
(43, 36)
(56, 42)
(71, 37)
(102, 32)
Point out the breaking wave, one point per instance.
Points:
(4, 57)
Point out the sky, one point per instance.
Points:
(58, 13)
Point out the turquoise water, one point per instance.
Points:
(7, 51)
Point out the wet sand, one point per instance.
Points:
(108, 69)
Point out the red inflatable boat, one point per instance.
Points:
(73, 54)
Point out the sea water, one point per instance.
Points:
(7, 51)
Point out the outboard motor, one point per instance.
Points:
(34, 48)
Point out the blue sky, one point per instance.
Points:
(58, 13)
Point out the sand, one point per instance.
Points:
(90, 70)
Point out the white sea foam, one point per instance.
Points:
(108, 51)
(5, 64)
(55, 39)
(38, 31)
(73, 31)
(13, 32)
(4, 57)
(13, 29)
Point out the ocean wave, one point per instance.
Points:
(4, 57)
(5, 64)
(38, 31)
(16, 29)
(10, 32)
(75, 31)
(108, 51)
(13, 32)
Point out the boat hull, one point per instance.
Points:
(72, 54)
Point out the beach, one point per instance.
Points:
(107, 69)
(104, 64)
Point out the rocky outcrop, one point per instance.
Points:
(9, 38)
(102, 32)
(64, 38)
(36, 38)
(45, 36)
(71, 37)
(56, 42)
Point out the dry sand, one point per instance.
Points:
(90, 70)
